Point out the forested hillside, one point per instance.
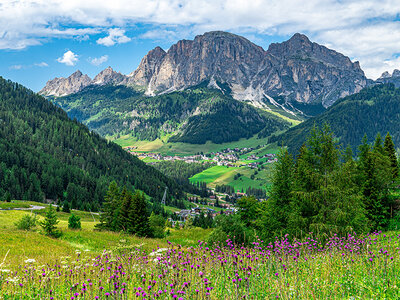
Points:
(194, 115)
(44, 154)
(373, 110)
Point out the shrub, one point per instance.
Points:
(74, 222)
(27, 222)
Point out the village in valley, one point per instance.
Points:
(226, 157)
(216, 203)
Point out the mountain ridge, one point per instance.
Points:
(287, 74)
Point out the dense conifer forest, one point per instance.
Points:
(45, 155)
(373, 110)
(195, 115)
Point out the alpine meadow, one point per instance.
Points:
(199, 150)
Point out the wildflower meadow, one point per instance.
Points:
(349, 267)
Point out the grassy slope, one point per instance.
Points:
(18, 245)
(184, 148)
(221, 175)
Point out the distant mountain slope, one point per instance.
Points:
(77, 81)
(390, 78)
(291, 75)
(44, 154)
(372, 110)
(194, 115)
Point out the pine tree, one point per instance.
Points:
(123, 216)
(108, 218)
(378, 147)
(34, 192)
(49, 223)
(138, 215)
(390, 151)
(277, 210)
(374, 179)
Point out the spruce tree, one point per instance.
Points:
(108, 218)
(277, 209)
(123, 216)
(34, 192)
(49, 223)
(138, 215)
(390, 152)
(378, 147)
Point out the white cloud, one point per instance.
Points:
(15, 67)
(97, 61)
(69, 58)
(366, 30)
(41, 64)
(115, 36)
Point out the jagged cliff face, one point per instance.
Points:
(65, 86)
(295, 71)
(77, 81)
(305, 72)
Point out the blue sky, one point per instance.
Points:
(43, 39)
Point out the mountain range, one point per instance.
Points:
(286, 75)
(219, 87)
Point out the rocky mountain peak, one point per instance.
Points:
(387, 78)
(385, 74)
(295, 71)
(108, 76)
(147, 67)
(65, 86)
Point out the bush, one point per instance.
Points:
(74, 222)
(27, 222)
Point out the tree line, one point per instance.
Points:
(45, 155)
(325, 189)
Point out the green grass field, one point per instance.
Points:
(221, 175)
(18, 245)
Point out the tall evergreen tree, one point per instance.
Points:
(138, 215)
(277, 208)
(378, 144)
(390, 151)
(123, 222)
(109, 216)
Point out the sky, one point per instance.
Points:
(43, 39)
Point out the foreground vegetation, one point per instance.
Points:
(344, 267)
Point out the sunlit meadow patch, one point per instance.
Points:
(342, 268)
